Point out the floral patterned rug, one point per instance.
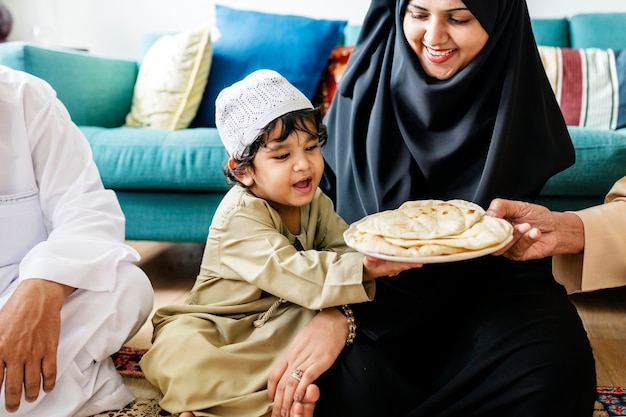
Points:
(126, 361)
(611, 401)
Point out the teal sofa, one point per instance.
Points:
(170, 182)
(600, 153)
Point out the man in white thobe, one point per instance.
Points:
(70, 294)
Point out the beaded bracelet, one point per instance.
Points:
(347, 311)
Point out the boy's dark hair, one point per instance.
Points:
(291, 122)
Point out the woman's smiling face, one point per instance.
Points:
(444, 34)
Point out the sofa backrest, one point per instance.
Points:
(97, 91)
(585, 30)
(350, 34)
(552, 32)
(598, 30)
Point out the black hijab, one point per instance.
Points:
(492, 130)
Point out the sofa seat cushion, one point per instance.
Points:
(600, 161)
(157, 159)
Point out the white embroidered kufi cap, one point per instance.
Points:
(247, 106)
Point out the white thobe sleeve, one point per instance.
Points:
(84, 221)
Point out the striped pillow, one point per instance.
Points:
(589, 84)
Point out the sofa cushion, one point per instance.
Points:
(590, 85)
(151, 159)
(350, 34)
(171, 81)
(600, 161)
(331, 76)
(598, 30)
(551, 32)
(168, 215)
(295, 46)
(96, 90)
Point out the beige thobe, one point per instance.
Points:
(603, 263)
(208, 356)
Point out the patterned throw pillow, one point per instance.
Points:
(589, 84)
(331, 76)
(171, 81)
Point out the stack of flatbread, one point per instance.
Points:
(428, 228)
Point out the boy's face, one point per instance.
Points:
(286, 174)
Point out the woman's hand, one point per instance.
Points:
(313, 351)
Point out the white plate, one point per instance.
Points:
(461, 256)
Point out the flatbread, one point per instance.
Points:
(423, 219)
(370, 243)
(428, 228)
(487, 232)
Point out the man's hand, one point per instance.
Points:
(30, 322)
(537, 231)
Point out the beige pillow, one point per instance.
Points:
(171, 81)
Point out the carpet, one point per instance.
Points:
(610, 402)
(126, 361)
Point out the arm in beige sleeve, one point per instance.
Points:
(603, 262)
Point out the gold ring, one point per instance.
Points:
(297, 374)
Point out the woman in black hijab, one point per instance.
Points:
(492, 129)
(483, 337)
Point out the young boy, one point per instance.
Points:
(274, 257)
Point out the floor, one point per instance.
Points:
(604, 316)
(172, 268)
